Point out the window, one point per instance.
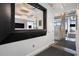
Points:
(72, 23)
(57, 23)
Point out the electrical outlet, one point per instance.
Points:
(33, 45)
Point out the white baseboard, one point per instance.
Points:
(40, 49)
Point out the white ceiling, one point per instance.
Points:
(60, 7)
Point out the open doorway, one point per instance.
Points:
(65, 32)
(57, 28)
(70, 26)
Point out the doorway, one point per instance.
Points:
(70, 27)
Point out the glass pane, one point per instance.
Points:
(72, 22)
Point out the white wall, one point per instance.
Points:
(25, 47)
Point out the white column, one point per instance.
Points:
(77, 33)
(63, 26)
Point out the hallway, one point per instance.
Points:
(62, 48)
(41, 29)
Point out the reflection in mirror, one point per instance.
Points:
(27, 17)
(40, 22)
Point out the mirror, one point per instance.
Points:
(23, 21)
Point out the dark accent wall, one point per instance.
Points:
(19, 25)
(72, 25)
(5, 26)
